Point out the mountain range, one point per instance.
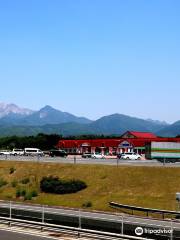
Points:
(22, 121)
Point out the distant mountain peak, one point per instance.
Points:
(47, 108)
(7, 109)
(51, 120)
(47, 111)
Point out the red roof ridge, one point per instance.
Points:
(141, 134)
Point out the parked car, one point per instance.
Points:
(46, 153)
(130, 156)
(5, 152)
(33, 152)
(97, 156)
(87, 155)
(19, 152)
(57, 153)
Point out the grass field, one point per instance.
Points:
(141, 186)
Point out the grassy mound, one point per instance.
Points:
(141, 186)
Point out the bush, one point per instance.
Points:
(55, 185)
(87, 204)
(34, 193)
(25, 181)
(23, 192)
(12, 170)
(20, 192)
(2, 182)
(14, 184)
(28, 196)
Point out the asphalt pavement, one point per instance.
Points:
(12, 235)
(80, 160)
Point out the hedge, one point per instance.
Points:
(55, 185)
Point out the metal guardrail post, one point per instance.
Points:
(42, 217)
(10, 213)
(10, 209)
(79, 235)
(43, 214)
(122, 225)
(80, 219)
(171, 233)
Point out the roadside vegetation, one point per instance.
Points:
(141, 186)
(42, 141)
(58, 186)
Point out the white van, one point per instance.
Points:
(33, 152)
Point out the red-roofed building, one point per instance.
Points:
(132, 134)
(129, 142)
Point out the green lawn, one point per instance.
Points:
(153, 187)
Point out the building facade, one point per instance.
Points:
(130, 141)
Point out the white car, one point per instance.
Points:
(130, 156)
(5, 152)
(19, 152)
(97, 155)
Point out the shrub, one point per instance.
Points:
(2, 182)
(14, 184)
(20, 192)
(34, 193)
(87, 204)
(28, 196)
(12, 170)
(25, 181)
(55, 185)
(23, 192)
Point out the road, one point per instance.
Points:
(79, 160)
(98, 220)
(12, 235)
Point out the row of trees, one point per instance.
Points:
(41, 141)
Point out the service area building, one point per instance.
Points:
(130, 141)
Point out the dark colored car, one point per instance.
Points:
(57, 153)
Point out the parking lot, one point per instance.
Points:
(79, 160)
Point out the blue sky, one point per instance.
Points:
(92, 57)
